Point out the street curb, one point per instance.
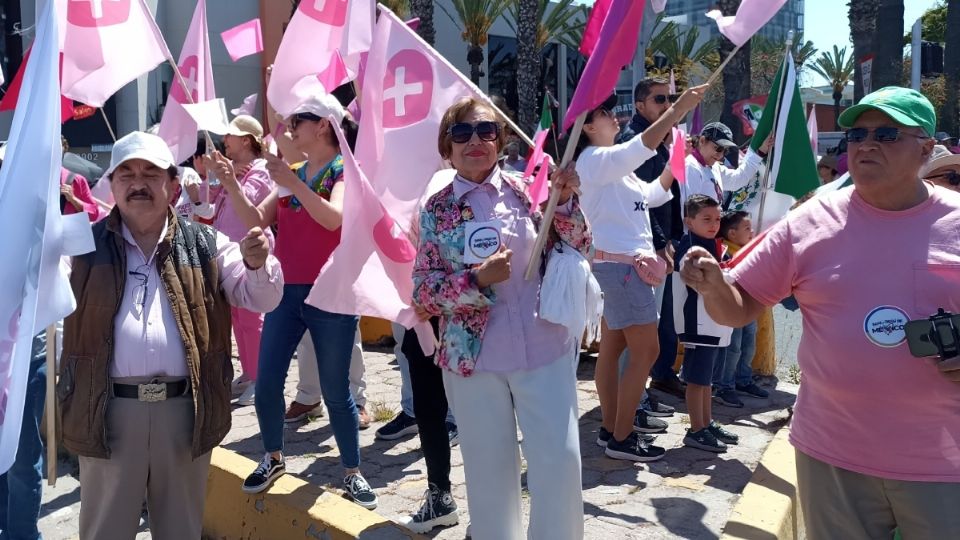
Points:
(768, 507)
(291, 508)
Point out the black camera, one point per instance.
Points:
(937, 336)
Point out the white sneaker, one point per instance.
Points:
(240, 384)
(247, 397)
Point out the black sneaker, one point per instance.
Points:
(633, 449)
(728, 397)
(722, 435)
(653, 407)
(604, 436)
(359, 490)
(644, 423)
(753, 390)
(704, 440)
(400, 426)
(266, 472)
(438, 510)
(453, 434)
(673, 386)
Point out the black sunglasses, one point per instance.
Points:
(880, 134)
(462, 132)
(660, 99)
(952, 177)
(300, 117)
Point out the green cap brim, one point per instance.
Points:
(849, 116)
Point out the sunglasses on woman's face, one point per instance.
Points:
(952, 177)
(298, 118)
(462, 132)
(880, 134)
(598, 113)
(660, 99)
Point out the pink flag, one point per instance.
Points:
(659, 5)
(812, 128)
(696, 121)
(177, 127)
(750, 17)
(317, 29)
(614, 49)
(536, 153)
(678, 156)
(335, 73)
(243, 40)
(371, 270)
(406, 89)
(540, 188)
(591, 32)
(107, 44)
(248, 107)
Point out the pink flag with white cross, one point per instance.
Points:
(371, 270)
(107, 44)
(177, 127)
(317, 30)
(407, 87)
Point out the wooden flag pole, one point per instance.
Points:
(534, 263)
(719, 70)
(51, 404)
(113, 135)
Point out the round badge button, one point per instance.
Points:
(884, 325)
(484, 242)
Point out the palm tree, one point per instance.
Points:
(951, 67)
(535, 27)
(766, 56)
(863, 25)
(838, 69)
(736, 76)
(475, 19)
(423, 9)
(888, 47)
(682, 54)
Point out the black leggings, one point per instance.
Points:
(430, 408)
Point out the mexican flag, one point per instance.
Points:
(546, 118)
(793, 167)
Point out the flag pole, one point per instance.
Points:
(719, 70)
(776, 113)
(109, 127)
(51, 405)
(534, 263)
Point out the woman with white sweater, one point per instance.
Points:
(705, 172)
(626, 266)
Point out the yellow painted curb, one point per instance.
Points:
(768, 507)
(291, 508)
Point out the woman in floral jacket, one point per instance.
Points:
(501, 363)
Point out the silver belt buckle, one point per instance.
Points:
(152, 392)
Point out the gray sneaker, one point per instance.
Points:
(704, 440)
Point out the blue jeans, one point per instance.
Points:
(662, 369)
(734, 364)
(332, 336)
(21, 486)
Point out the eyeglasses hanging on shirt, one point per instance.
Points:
(142, 274)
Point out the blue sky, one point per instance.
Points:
(827, 24)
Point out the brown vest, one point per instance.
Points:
(187, 264)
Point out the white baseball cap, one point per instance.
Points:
(140, 145)
(321, 105)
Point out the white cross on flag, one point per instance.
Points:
(177, 127)
(317, 30)
(106, 44)
(407, 86)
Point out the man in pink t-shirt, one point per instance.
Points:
(877, 431)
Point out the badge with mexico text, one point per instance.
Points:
(884, 326)
(482, 241)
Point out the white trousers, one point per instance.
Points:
(308, 389)
(488, 407)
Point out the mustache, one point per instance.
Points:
(140, 194)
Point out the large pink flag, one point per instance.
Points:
(591, 31)
(750, 17)
(316, 31)
(177, 127)
(371, 271)
(107, 44)
(614, 49)
(406, 89)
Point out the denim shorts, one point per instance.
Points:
(698, 364)
(627, 300)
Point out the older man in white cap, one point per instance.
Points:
(145, 377)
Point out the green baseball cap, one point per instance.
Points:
(904, 105)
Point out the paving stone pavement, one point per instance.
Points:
(688, 494)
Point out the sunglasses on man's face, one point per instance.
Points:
(462, 132)
(660, 99)
(880, 134)
(952, 177)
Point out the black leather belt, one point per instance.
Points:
(151, 392)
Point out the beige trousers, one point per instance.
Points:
(842, 504)
(150, 446)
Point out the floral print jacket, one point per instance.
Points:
(443, 284)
